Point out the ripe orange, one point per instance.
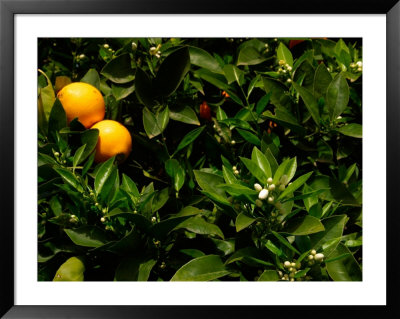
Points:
(114, 139)
(83, 101)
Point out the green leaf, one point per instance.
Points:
(249, 137)
(262, 103)
(304, 74)
(344, 269)
(285, 118)
(334, 227)
(279, 92)
(172, 71)
(229, 177)
(176, 172)
(203, 59)
(185, 115)
(249, 55)
(78, 156)
(322, 79)
(237, 189)
(295, 185)
(46, 99)
(189, 138)
(209, 182)
(103, 173)
(71, 270)
(269, 275)
(272, 248)
(204, 268)
(352, 129)
(255, 170)
(250, 256)
(309, 101)
(285, 242)
(288, 168)
(337, 95)
(271, 160)
(69, 178)
(233, 73)
(198, 225)
(283, 53)
(305, 225)
(119, 69)
(129, 186)
(121, 91)
(144, 88)
(243, 221)
(87, 236)
(154, 125)
(134, 269)
(57, 118)
(92, 77)
(221, 115)
(261, 160)
(160, 199)
(189, 211)
(89, 138)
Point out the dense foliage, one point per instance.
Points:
(246, 161)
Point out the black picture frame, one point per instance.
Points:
(8, 10)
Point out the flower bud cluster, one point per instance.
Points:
(357, 66)
(155, 51)
(313, 257)
(291, 268)
(284, 70)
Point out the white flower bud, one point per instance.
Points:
(233, 142)
(359, 63)
(280, 273)
(102, 219)
(153, 50)
(271, 187)
(270, 199)
(135, 211)
(291, 275)
(291, 279)
(352, 65)
(284, 71)
(289, 80)
(158, 56)
(269, 180)
(310, 257)
(359, 69)
(293, 265)
(82, 56)
(283, 278)
(257, 187)
(134, 46)
(263, 194)
(289, 68)
(56, 154)
(106, 46)
(286, 264)
(236, 172)
(259, 203)
(313, 252)
(73, 216)
(153, 219)
(328, 69)
(319, 257)
(234, 168)
(291, 269)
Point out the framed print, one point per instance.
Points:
(173, 159)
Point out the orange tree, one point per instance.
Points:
(227, 159)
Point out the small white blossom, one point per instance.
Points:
(319, 257)
(286, 264)
(263, 194)
(258, 187)
(106, 46)
(102, 219)
(270, 199)
(271, 187)
(269, 180)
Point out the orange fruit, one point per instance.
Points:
(224, 94)
(83, 101)
(114, 139)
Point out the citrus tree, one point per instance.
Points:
(200, 159)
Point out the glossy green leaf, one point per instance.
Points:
(250, 56)
(269, 275)
(237, 189)
(172, 71)
(343, 269)
(72, 270)
(233, 74)
(129, 186)
(337, 95)
(57, 118)
(272, 248)
(92, 77)
(285, 242)
(69, 178)
(87, 236)
(203, 59)
(119, 69)
(204, 268)
(283, 53)
(303, 226)
(243, 221)
(249, 137)
(309, 101)
(189, 138)
(295, 185)
(255, 170)
(209, 182)
(121, 91)
(134, 269)
(78, 156)
(160, 199)
(261, 160)
(352, 129)
(154, 125)
(144, 88)
(334, 227)
(89, 138)
(103, 173)
(229, 177)
(278, 92)
(322, 79)
(176, 172)
(185, 115)
(199, 226)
